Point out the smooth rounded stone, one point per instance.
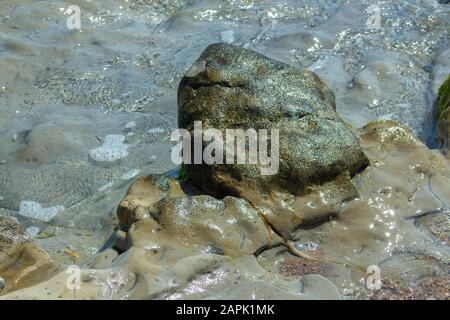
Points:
(143, 193)
(245, 279)
(22, 263)
(156, 208)
(234, 88)
(443, 114)
(229, 226)
(46, 142)
(368, 94)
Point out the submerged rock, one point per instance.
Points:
(156, 208)
(182, 246)
(22, 263)
(234, 88)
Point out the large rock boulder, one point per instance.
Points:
(233, 88)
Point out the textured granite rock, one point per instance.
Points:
(233, 88)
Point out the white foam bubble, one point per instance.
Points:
(113, 149)
(106, 186)
(130, 125)
(33, 231)
(155, 130)
(227, 36)
(34, 210)
(130, 174)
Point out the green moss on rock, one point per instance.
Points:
(443, 113)
(182, 173)
(444, 101)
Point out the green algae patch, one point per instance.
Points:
(443, 112)
(444, 101)
(182, 173)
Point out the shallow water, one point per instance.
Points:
(82, 112)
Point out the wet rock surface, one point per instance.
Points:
(229, 226)
(22, 263)
(391, 224)
(184, 247)
(179, 245)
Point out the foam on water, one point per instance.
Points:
(130, 125)
(32, 231)
(113, 149)
(130, 174)
(106, 186)
(155, 130)
(34, 210)
(227, 36)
